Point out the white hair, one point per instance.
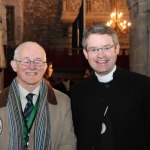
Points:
(25, 44)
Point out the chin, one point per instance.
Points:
(102, 72)
(32, 82)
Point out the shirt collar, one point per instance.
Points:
(106, 78)
(24, 92)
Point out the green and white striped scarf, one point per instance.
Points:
(42, 121)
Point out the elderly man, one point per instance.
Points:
(32, 114)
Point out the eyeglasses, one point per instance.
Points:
(27, 62)
(104, 49)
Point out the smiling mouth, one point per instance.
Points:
(31, 73)
(101, 61)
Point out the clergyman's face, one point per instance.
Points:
(31, 75)
(101, 61)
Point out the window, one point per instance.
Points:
(10, 24)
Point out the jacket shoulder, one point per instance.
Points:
(3, 97)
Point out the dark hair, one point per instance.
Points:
(46, 72)
(99, 29)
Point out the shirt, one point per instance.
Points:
(24, 93)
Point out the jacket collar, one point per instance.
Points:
(50, 96)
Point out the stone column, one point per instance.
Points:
(148, 54)
(2, 56)
(3, 17)
(139, 37)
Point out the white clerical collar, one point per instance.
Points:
(106, 78)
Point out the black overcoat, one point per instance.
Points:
(127, 118)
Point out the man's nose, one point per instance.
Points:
(101, 52)
(32, 65)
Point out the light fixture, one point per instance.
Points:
(117, 20)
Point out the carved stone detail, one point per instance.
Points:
(73, 5)
(98, 6)
(95, 10)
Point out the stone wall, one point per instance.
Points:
(42, 23)
(36, 20)
(49, 22)
(18, 19)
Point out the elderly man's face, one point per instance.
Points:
(29, 75)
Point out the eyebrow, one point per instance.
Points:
(101, 46)
(34, 59)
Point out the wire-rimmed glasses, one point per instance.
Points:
(27, 62)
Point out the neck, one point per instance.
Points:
(29, 87)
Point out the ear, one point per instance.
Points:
(46, 66)
(117, 49)
(85, 53)
(13, 65)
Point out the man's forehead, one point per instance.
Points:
(31, 54)
(31, 49)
